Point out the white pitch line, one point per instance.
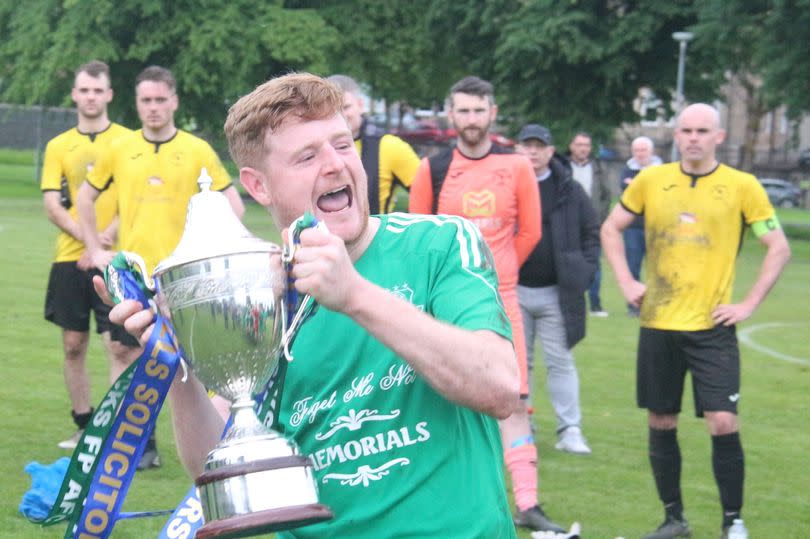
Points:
(745, 337)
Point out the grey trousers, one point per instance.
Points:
(543, 320)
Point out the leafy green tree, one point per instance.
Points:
(217, 49)
(385, 45)
(785, 64)
(570, 65)
(730, 34)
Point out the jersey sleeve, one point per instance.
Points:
(210, 160)
(51, 179)
(403, 160)
(529, 211)
(421, 198)
(755, 203)
(633, 197)
(464, 290)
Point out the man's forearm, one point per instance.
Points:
(476, 369)
(613, 247)
(197, 425)
(60, 217)
(85, 206)
(775, 260)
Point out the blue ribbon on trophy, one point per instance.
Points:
(114, 467)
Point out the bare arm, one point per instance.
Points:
(85, 204)
(197, 422)
(476, 369)
(59, 216)
(613, 246)
(232, 194)
(776, 257)
(530, 214)
(110, 234)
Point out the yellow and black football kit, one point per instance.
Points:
(388, 161)
(693, 229)
(155, 181)
(68, 159)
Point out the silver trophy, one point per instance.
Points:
(224, 290)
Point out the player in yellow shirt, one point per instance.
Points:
(388, 160)
(70, 297)
(695, 211)
(155, 172)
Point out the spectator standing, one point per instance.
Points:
(695, 211)
(642, 156)
(70, 298)
(553, 280)
(388, 160)
(497, 191)
(591, 176)
(155, 172)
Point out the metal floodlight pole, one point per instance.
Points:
(682, 38)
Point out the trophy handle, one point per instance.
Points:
(290, 329)
(291, 324)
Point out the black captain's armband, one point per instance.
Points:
(64, 194)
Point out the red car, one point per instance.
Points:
(497, 138)
(430, 132)
(417, 132)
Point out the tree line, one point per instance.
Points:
(571, 65)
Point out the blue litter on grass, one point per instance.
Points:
(46, 479)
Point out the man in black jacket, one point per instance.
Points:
(555, 277)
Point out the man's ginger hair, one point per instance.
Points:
(298, 96)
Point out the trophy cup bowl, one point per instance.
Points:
(224, 291)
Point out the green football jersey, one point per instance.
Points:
(392, 457)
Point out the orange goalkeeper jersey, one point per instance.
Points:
(497, 192)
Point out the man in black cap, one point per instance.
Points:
(553, 280)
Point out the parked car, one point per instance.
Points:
(782, 193)
(430, 132)
(418, 132)
(496, 138)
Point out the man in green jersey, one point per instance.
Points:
(402, 371)
(694, 213)
(70, 297)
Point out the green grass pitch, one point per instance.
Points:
(610, 492)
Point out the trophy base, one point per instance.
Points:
(266, 521)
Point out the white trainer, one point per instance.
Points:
(572, 441)
(71, 442)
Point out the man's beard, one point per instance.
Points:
(472, 136)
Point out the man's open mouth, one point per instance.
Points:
(336, 200)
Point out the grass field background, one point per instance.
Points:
(610, 492)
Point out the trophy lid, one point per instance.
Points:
(212, 229)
